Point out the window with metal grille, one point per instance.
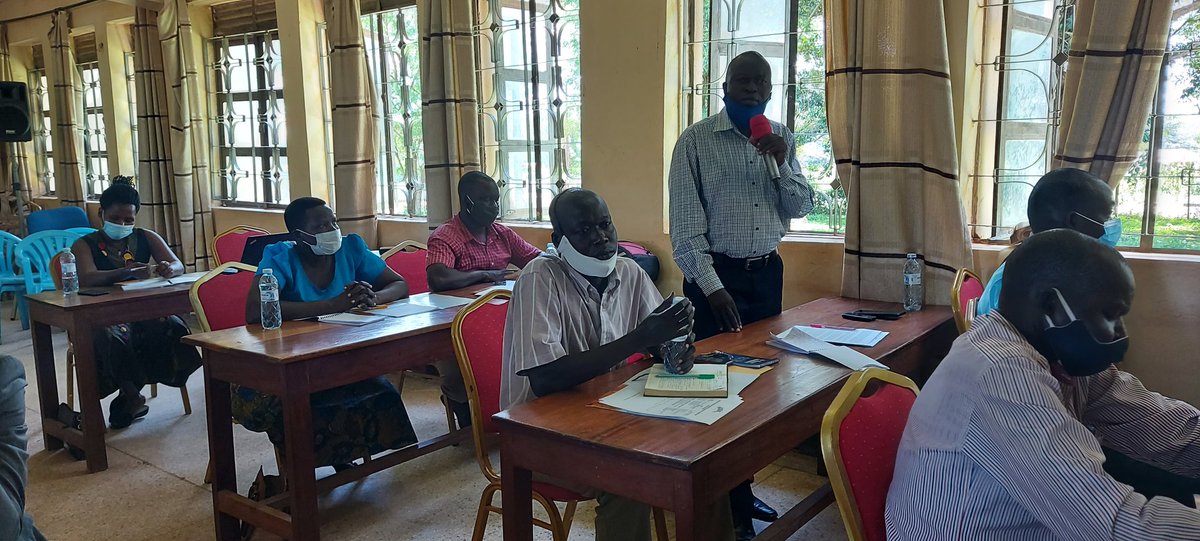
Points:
(245, 80)
(1158, 200)
(95, 147)
(43, 149)
(791, 35)
(529, 82)
(392, 42)
(131, 92)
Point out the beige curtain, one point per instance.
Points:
(187, 197)
(1113, 71)
(155, 179)
(450, 109)
(354, 120)
(10, 153)
(66, 96)
(891, 124)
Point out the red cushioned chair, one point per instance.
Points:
(478, 335)
(408, 260)
(228, 246)
(967, 288)
(219, 300)
(860, 436)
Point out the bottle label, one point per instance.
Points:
(912, 279)
(68, 269)
(269, 295)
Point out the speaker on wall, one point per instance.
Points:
(14, 112)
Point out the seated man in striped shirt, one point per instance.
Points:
(471, 249)
(579, 315)
(1004, 440)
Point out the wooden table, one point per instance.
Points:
(82, 316)
(684, 466)
(293, 362)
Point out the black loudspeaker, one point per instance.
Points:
(14, 112)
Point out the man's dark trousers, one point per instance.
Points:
(758, 293)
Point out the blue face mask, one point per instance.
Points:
(1112, 232)
(741, 114)
(117, 231)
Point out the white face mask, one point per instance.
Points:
(328, 243)
(586, 265)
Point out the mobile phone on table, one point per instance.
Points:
(93, 292)
(721, 357)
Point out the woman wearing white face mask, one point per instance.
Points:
(323, 273)
(131, 355)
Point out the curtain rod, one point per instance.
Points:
(72, 6)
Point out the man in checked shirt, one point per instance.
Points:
(1004, 442)
(727, 217)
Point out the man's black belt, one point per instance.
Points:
(744, 263)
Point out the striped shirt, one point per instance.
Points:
(996, 448)
(724, 201)
(556, 312)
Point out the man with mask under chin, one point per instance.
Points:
(580, 314)
(732, 197)
(1004, 441)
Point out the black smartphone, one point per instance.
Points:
(93, 292)
(858, 316)
(882, 314)
(721, 357)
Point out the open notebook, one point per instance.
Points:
(158, 281)
(703, 381)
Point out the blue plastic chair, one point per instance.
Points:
(59, 219)
(33, 257)
(81, 231)
(10, 282)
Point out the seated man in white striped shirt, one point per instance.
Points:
(1004, 441)
(579, 315)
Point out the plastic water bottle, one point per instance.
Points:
(551, 249)
(268, 295)
(70, 278)
(914, 290)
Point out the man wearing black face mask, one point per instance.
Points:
(471, 249)
(728, 215)
(1004, 441)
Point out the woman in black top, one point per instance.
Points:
(129, 356)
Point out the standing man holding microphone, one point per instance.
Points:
(734, 186)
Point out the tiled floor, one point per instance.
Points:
(153, 489)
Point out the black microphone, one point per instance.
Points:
(761, 127)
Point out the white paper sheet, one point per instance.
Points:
(400, 309)
(353, 320)
(797, 339)
(158, 281)
(438, 301)
(699, 410)
(506, 286)
(846, 337)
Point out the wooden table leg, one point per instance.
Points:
(220, 450)
(89, 397)
(301, 456)
(693, 519)
(516, 492)
(47, 380)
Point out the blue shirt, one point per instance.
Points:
(991, 294)
(352, 262)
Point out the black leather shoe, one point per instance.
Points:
(761, 511)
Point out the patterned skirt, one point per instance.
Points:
(144, 352)
(349, 422)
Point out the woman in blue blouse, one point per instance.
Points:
(321, 273)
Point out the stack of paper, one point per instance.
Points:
(352, 320)
(416, 304)
(631, 399)
(867, 338)
(158, 281)
(703, 381)
(799, 341)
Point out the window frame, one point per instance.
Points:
(263, 97)
(95, 147)
(43, 144)
(700, 68)
(563, 103)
